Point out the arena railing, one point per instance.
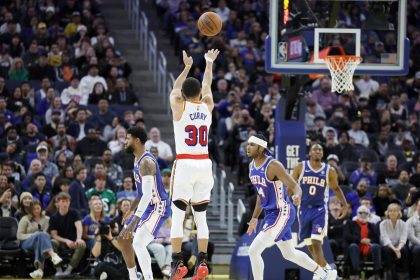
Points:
(222, 202)
(230, 236)
(148, 45)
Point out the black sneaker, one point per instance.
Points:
(178, 269)
(201, 267)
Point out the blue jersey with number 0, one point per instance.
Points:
(314, 184)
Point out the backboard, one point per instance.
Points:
(303, 32)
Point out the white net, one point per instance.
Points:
(342, 70)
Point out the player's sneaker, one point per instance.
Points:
(201, 268)
(331, 274)
(179, 270)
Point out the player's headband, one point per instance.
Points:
(258, 141)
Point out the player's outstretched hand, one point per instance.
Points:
(188, 60)
(296, 199)
(127, 216)
(127, 231)
(252, 226)
(344, 212)
(211, 55)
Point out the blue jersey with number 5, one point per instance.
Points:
(314, 184)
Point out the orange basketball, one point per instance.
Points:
(209, 24)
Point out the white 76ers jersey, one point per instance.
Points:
(191, 131)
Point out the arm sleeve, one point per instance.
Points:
(146, 186)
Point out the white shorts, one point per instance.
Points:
(192, 180)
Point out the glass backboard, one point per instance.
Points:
(303, 32)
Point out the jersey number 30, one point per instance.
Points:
(196, 135)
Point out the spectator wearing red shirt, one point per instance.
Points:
(363, 242)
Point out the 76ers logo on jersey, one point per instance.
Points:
(257, 180)
(137, 178)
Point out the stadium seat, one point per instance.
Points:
(60, 86)
(35, 84)
(11, 85)
(379, 167)
(346, 188)
(349, 166)
(372, 190)
(10, 252)
(371, 154)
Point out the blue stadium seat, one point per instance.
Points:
(371, 154)
(11, 85)
(60, 86)
(379, 167)
(348, 167)
(35, 84)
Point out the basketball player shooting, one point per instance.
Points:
(192, 181)
(268, 175)
(153, 207)
(315, 178)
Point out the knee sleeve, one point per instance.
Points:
(200, 207)
(179, 204)
(200, 219)
(178, 216)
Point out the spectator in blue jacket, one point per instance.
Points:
(77, 191)
(364, 172)
(40, 191)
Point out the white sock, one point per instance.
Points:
(132, 272)
(327, 266)
(69, 268)
(298, 257)
(142, 238)
(320, 272)
(257, 262)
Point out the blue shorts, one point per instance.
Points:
(278, 224)
(153, 217)
(313, 223)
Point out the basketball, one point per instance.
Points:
(209, 24)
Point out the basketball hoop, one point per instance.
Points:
(342, 69)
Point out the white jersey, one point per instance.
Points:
(191, 131)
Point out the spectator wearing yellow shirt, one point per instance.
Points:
(71, 28)
(55, 56)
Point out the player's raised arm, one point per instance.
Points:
(206, 94)
(176, 94)
(333, 181)
(276, 171)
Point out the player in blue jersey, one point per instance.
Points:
(268, 175)
(315, 178)
(153, 207)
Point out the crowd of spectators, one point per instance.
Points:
(371, 136)
(65, 105)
